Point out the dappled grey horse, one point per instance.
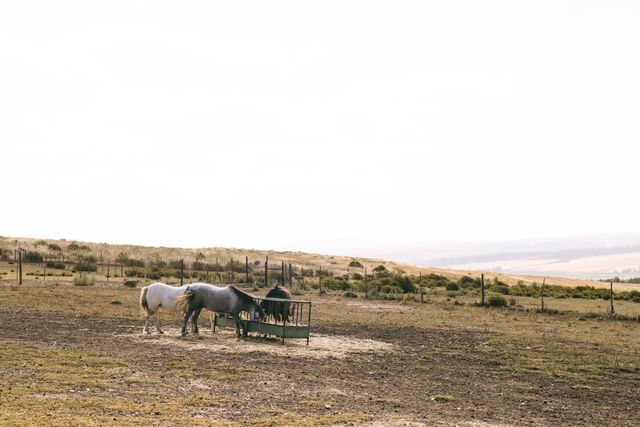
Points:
(227, 300)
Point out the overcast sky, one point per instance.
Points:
(340, 127)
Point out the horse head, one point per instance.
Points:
(257, 315)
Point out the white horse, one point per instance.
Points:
(158, 295)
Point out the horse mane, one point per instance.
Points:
(246, 297)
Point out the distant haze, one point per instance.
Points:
(408, 130)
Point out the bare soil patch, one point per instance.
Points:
(322, 346)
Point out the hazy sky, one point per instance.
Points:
(326, 126)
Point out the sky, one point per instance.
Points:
(345, 127)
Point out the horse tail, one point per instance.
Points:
(182, 301)
(144, 305)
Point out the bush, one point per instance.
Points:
(390, 289)
(55, 265)
(406, 285)
(452, 286)
(83, 280)
(335, 284)
(355, 264)
(500, 289)
(134, 273)
(86, 267)
(497, 301)
(33, 257)
(350, 294)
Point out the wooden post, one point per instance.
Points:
(283, 274)
(108, 269)
(364, 285)
(320, 280)
(44, 270)
(231, 270)
(611, 297)
(290, 275)
(181, 272)
(266, 271)
(421, 287)
(542, 295)
(20, 266)
(482, 283)
(246, 269)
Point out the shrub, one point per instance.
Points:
(355, 264)
(381, 271)
(55, 265)
(83, 280)
(32, 256)
(335, 284)
(500, 289)
(497, 301)
(356, 276)
(86, 267)
(134, 273)
(512, 301)
(350, 294)
(467, 281)
(406, 284)
(390, 289)
(452, 286)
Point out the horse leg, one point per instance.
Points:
(237, 319)
(194, 321)
(145, 329)
(185, 319)
(213, 325)
(160, 331)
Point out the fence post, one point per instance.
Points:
(611, 297)
(482, 282)
(22, 252)
(283, 274)
(266, 271)
(542, 295)
(246, 269)
(181, 272)
(290, 275)
(232, 270)
(364, 285)
(20, 266)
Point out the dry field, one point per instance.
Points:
(76, 356)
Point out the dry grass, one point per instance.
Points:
(84, 362)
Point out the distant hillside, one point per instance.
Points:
(580, 263)
(338, 265)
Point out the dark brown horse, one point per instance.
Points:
(280, 310)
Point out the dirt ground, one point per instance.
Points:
(76, 355)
